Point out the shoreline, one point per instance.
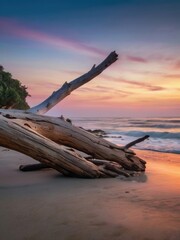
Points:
(44, 205)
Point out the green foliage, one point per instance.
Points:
(12, 93)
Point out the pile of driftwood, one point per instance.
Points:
(58, 144)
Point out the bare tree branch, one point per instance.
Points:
(67, 88)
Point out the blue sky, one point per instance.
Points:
(44, 43)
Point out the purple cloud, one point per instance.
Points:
(136, 59)
(14, 28)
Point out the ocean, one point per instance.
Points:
(164, 132)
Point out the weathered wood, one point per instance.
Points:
(44, 138)
(108, 167)
(33, 167)
(111, 166)
(42, 149)
(67, 134)
(67, 88)
(136, 141)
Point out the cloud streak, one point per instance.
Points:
(105, 90)
(14, 28)
(153, 58)
(172, 76)
(146, 86)
(143, 85)
(136, 59)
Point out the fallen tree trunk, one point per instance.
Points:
(44, 138)
(25, 140)
(29, 142)
(66, 134)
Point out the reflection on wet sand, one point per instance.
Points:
(43, 205)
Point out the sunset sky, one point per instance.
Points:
(45, 43)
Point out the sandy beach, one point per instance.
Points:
(44, 205)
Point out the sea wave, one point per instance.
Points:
(163, 126)
(153, 134)
(161, 120)
(164, 132)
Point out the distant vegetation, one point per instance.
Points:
(12, 93)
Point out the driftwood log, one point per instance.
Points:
(54, 141)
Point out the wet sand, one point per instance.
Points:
(44, 205)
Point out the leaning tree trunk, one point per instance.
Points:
(44, 138)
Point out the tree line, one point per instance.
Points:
(12, 92)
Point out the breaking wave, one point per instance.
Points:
(163, 135)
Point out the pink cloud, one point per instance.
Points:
(177, 65)
(154, 58)
(136, 59)
(171, 75)
(104, 90)
(18, 30)
(143, 85)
